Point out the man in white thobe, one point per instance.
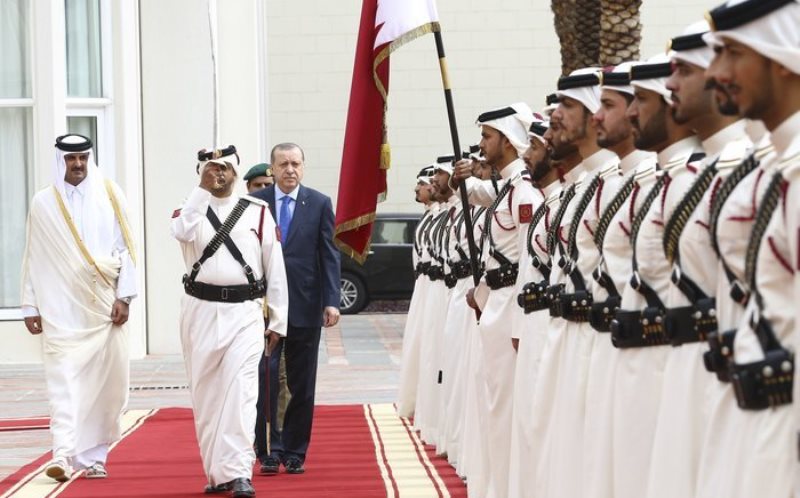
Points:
(504, 139)
(78, 281)
(229, 294)
(409, 364)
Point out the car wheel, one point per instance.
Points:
(353, 295)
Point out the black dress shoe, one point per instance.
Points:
(242, 488)
(294, 466)
(218, 489)
(270, 465)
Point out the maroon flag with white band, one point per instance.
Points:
(385, 26)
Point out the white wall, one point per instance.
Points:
(498, 53)
(285, 71)
(177, 100)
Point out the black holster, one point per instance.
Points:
(533, 297)
(450, 280)
(720, 354)
(766, 383)
(691, 323)
(603, 313)
(635, 329)
(554, 296)
(576, 307)
(503, 276)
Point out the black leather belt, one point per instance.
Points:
(435, 272)
(461, 269)
(227, 294)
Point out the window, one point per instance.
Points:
(390, 232)
(88, 100)
(16, 135)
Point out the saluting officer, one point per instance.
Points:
(235, 278)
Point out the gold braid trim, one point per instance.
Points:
(123, 223)
(86, 255)
(347, 226)
(382, 55)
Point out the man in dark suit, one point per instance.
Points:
(305, 220)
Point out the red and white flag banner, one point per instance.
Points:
(385, 26)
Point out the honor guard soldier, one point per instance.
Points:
(426, 416)
(612, 237)
(529, 330)
(688, 391)
(235, 277)
(504, 139)
(473, 460)
(605, 271)
(565, 159)
(637, 328)
(759, 61)
(579, 99)
(415, 319)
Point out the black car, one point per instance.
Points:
(388, 272)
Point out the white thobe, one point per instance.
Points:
(508, 232)
(616, 263)
(638, 377)
(472, 458)
(531, 331)
(409, 359)
(688, 389)
(426, 415)
(544, 393)
(764, 458)
(85, 355)
(722, 451)
(565, 451)
(223, 342)
(458, 317)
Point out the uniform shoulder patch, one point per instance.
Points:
(255, 200)
(176, 213)
(525, 213)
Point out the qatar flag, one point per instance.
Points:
(385, 26)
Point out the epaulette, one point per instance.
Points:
(733, 154)
(522, 176)
(790, 165)
(255, 200)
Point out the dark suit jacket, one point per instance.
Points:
(312, 260)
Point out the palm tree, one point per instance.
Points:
(597, 32)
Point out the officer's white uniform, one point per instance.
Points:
(223, 341)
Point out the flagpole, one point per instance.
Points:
(451, 117)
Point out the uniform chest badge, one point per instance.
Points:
(525, 213)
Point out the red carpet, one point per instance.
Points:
(24, 424)
(356, 452)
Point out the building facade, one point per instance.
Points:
(137, 77)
